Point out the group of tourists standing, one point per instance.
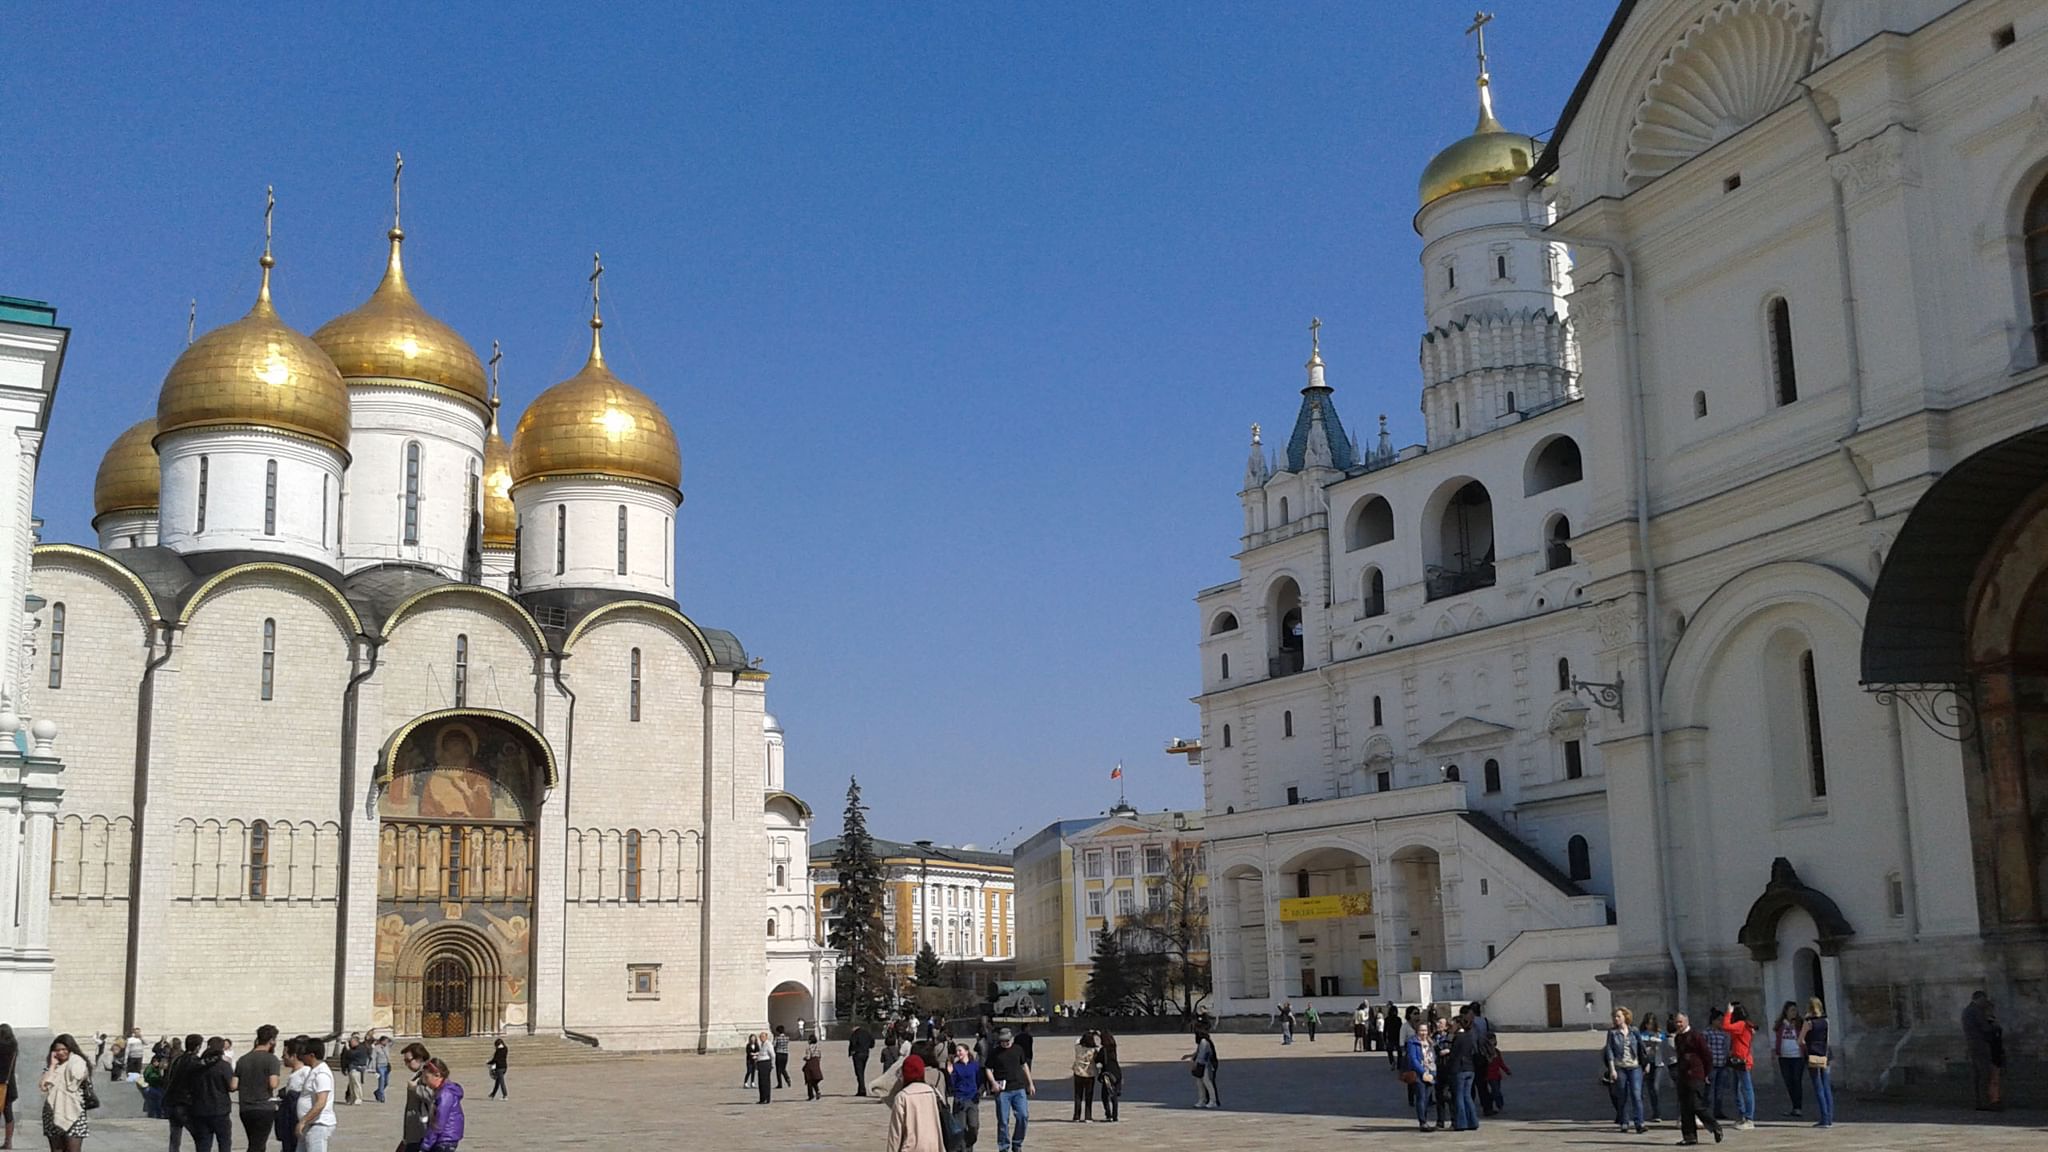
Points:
(1449, 1064)
(1706, 1067)
(935, 1103)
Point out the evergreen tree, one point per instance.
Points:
(929, 973)
(1109, 985)
(860, 937)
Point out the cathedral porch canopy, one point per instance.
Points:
(1915, 631)
(1785, 892)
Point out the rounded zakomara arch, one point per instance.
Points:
(495, 599)
(1733, 605)
(1553, 463)
(387, 755)
(109, 569)
(343, 613)
(692, 636)
(477, 953)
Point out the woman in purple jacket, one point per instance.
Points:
(444, 1132)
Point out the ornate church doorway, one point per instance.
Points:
(456, 864)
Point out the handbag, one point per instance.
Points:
(1408, 1076)
(88, 1096)
(1813, 1061)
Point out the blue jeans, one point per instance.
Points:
(1745, 1093)
(1719, 1084)
(1011, 1102)
(1467, 1116)
(1823, 1097)
(1628, 1092)
(383, 1081)
(1423, 1091)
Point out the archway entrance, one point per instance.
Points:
(789, 1006)
(456, 868)
(1418, 880)
(1329, 935)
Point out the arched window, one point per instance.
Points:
(259, 860)
(1557, 543)
(622, 539)
(1511, 402)
(2036, 227)
(200, 524)
(412, 492)
(1372, 523)
(782, 875)
(1699, 405)
(269, 657)
(1564, 674)
(1377, 719)
(1226, 735)
(1492, 774)
(1459, 554)
(1816, 752)
(1287, 723)
(1451, 774)
(632, 884)
(57, 645)
(1556, 464)
(323, 511)
(1457, 415)
(771, 927)
(1226, 665)
(461, 671)
(1784, 372)
(1375, 592)
(633, 686)
(1224, 623)
(1500, 266)
(270, 498)
(1578, 859)
(1283, 511)
(561, 538)
(1574, 760)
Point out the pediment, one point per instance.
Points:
(1118, 829)
(1467, 732)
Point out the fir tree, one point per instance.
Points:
(1109, 985)
(860, 935)
(929, 973)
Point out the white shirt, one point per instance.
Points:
(309, 1082)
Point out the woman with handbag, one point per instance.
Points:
(67, 1095)
(1085, 1055)
(1624, 1057)
(1813, 1038)
(915, 1122)
(1418, 1072)
(1109, 1077)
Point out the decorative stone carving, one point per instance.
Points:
(1879, 163)
(1617, 627)
(1596, 307)
(1741, 62)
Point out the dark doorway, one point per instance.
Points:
(444, 998)
(1553, 1005)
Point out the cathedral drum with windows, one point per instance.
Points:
(383, 722)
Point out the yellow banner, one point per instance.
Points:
(1297, 908)
(1369, 972)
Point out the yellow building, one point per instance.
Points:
(1079, 877)
(965, 898)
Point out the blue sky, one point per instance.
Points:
(961, 311)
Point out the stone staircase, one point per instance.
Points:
(467, 1055)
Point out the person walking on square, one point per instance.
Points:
(1085, 1053)
(914, 1121)
(1624, 1057)
(1418, 1072)
(444, 1133)
(64, 1084)
(419, 1097)
(1008, 1074)
(1109, 1076)
(315, 1097)
(781, 1043)
(501, 1059)
(257, 1075)
(380, 1063)
(1814, 1037)
(1497, 1070)
(963, 1095)
(1741, 1040)
(1203, 1059)
(1984, 1041)
(764, 1066)
(1286, 1022)
(1655, 1042)
(814, 1072)
(1313, 1020)
(1361, 1023)
(1390, 1034)
(1691, 1072)
(858, 1045)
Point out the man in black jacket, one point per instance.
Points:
(1694, 1068)
(858, 1045)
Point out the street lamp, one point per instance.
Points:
(924, 891)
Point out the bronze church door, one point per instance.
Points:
(444, 998)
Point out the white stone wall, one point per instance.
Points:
(589, 554)
(119, 530)
(416, 668)
(383, 420)
(236, 476)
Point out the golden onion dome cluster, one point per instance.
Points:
(129, 475)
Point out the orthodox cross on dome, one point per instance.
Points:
(397, 171)
(1315, 335)
(191, 320)
(268, 261)
(497, 354)
(596, 288)
(1255, 433)
(1478, 30)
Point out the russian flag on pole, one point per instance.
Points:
(1117, 773)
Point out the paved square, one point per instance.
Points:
(1307, 1096)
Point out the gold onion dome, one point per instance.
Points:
(129, 474)
(501, 522)
(594, 423)
(256, 372)
(390, 337)
(1491, 157)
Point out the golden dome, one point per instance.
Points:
(391, 337)
(256, 371)
(501, 523)
(129, 475)
(596, 423)
(1491, 157)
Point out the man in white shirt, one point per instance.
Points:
(316, 1098)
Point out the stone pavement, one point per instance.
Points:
(1298, 1097)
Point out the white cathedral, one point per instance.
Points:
(373, 719)
(1702, 650)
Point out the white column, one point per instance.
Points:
(40, 818)
(1279, 981)
(20, 539)
(10, 863)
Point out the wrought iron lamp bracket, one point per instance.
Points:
(1607, 696)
